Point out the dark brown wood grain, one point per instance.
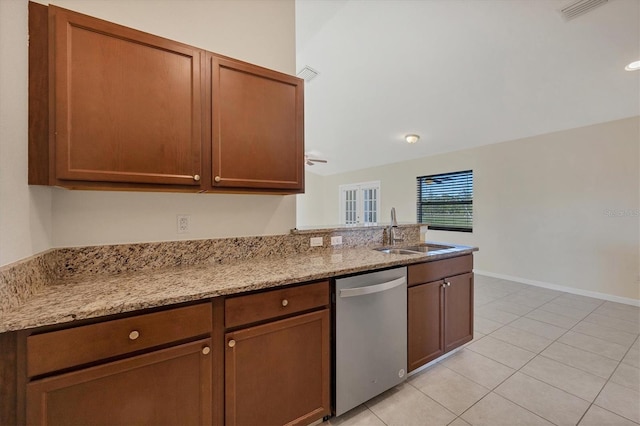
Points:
(257, 126)
(440, 308)
(439, 269)
(278, 373)
(113, 108)
(127, 104)
(8, 379)
(253, 308)
(425, 333)
(71, 347)
(166, 387)
(458, 311)
(218, 351)
(38, 94)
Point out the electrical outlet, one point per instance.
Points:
(182, 221)
(315, 241)
(336, 240)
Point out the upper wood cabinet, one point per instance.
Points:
(127, 104)
(130, 110)
(257, 124)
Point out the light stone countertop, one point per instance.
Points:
(92, 296)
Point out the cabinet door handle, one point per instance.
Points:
(206, 350)
(134, 335)
(232, 343)
(448, 284)
(444, 285)
(285, 302)
(196, 178)
(217, 178)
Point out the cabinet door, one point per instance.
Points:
(425, 337)
(278, 373)
(458, 311)
(166, 387)
(257, 126)
(127, 103)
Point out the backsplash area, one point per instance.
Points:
(20, 280)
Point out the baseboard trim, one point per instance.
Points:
(572, 290)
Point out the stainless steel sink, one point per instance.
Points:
(397, 251)
(417, 249)
(424, 248)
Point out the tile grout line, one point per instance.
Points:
(518, 370)
(553, 341)
(374, 413)
(596, 353)
(432, 398)
(536, 354)
(607, 382)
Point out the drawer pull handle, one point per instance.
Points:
(285, 302)
(134, 335)
(196, 178)
(232, 343)
(206, 350)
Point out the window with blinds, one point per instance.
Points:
(445, 201)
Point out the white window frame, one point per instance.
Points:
(360, 208)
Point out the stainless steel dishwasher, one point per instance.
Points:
(370, 336)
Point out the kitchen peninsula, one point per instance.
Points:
(198, 305)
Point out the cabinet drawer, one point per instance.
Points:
(171, 386)
(57, 350)
(433, 271)
(242, 310)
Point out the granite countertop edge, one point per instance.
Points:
(94, 296)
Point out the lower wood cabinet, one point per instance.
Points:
(278, 373)
(425, 328)
(166, 387)
(458, 311)
(144, 369)
(440, 317)
(261, 358)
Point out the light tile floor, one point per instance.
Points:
(539, 357)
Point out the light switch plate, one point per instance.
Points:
(315, 241)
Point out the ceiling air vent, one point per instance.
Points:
(580, 7)
(307, 73)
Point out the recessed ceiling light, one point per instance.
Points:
(633, 66)
(411, 138)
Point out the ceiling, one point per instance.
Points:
(460, 73)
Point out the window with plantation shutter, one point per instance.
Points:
(445, 201)
(359, 203)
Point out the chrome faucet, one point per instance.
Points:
(393, 228)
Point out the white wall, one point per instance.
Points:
(542, 205)
(310, 205)
(25, 212)
(34, 218)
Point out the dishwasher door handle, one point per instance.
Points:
(361, 291)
